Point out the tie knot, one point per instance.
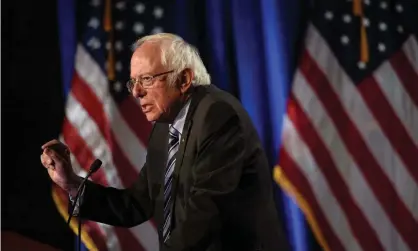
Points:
(173, 132)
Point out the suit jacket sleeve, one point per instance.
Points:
(216, 173)
(119, 207)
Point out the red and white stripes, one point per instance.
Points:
(96, 127)
(351, 150)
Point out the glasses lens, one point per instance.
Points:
(146, 81)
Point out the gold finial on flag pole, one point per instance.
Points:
(364, 47)
(107, 22)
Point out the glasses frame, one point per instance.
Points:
(146, 81)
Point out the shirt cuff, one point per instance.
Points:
(79, 201)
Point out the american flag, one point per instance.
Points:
(101, 120)
(349, 155)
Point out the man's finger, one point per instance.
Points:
(50, 143)
(61, 149)
(46, 160)
(53, 155)
(43, 161)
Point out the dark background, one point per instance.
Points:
(32, 111)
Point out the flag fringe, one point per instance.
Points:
(62, 208)
(290, 189)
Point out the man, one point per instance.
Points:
(206, 180)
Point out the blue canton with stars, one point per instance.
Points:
(130, 21)
(387, 23)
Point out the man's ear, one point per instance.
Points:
(186, 79)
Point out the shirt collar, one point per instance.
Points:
(178, 122)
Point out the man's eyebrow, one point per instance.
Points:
(141, 75)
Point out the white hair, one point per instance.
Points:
(177, 54)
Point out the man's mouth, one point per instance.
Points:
(146, 108)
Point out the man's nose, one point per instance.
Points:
(138, 91)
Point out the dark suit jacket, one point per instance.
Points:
(222, 184)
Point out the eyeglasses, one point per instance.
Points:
(146, 81)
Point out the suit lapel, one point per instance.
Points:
(196, 97)
(183, 143)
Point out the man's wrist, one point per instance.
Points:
(73, 185)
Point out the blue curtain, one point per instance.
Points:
(250, 48)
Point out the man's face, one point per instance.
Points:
(158, 100)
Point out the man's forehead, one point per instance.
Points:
(148, 49)
(145, 58)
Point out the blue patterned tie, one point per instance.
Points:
(173, 146)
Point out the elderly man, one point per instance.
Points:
(206, 180)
